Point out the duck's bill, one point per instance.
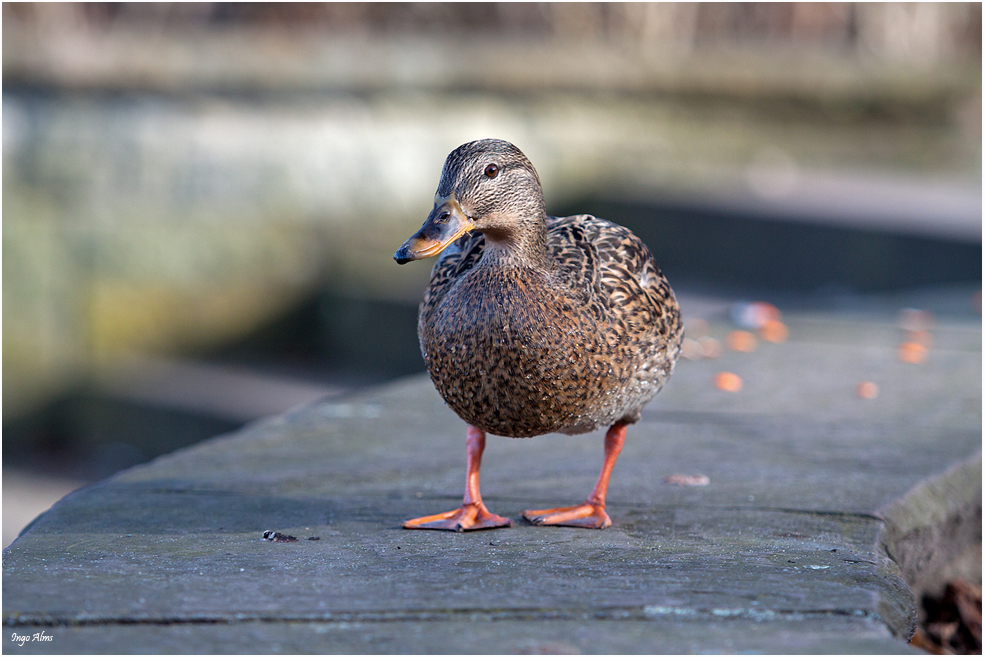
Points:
(446, 223)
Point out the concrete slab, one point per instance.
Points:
(781, 552)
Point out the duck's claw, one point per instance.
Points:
(587, 515)
(468, 517)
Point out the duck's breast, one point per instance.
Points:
(512, 354)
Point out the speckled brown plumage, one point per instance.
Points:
(520, 349)
(533, 324)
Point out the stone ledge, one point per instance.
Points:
(781, 552)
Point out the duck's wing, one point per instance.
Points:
(617, 270)
(572, 247)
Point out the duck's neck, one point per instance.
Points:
(525, 244)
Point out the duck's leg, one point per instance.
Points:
(591, 513)
(473, 514)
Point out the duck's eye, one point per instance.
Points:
(491, 171)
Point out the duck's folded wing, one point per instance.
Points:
(618, 270)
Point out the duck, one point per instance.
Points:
(534, 324)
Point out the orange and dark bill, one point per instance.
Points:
(446, 223)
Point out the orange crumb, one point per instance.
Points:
(766, 310)
(911, 352)
(774, 331)
(712, 347)
(741, 341)
(728, 382)
(867, 390)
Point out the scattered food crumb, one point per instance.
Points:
(911, 352)
(774, 331)
(728, 381)
(712, 347)
(867, 390)
(277, 537)
(687, 480)
(741, 341)
(754, 315)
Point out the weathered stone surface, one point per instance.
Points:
(477, 635)
(779, 553)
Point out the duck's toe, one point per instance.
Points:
(468, 517)
(587, 515)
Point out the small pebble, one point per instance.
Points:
(728, 381)
(686, 480)
(277, 537)
(867, 390)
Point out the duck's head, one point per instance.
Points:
(489, 186)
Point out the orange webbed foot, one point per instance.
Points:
(587, 515)
(468, 517)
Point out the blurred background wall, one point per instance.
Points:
(201, 200)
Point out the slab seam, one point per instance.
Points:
(634, 613)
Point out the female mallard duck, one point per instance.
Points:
(533, 324)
